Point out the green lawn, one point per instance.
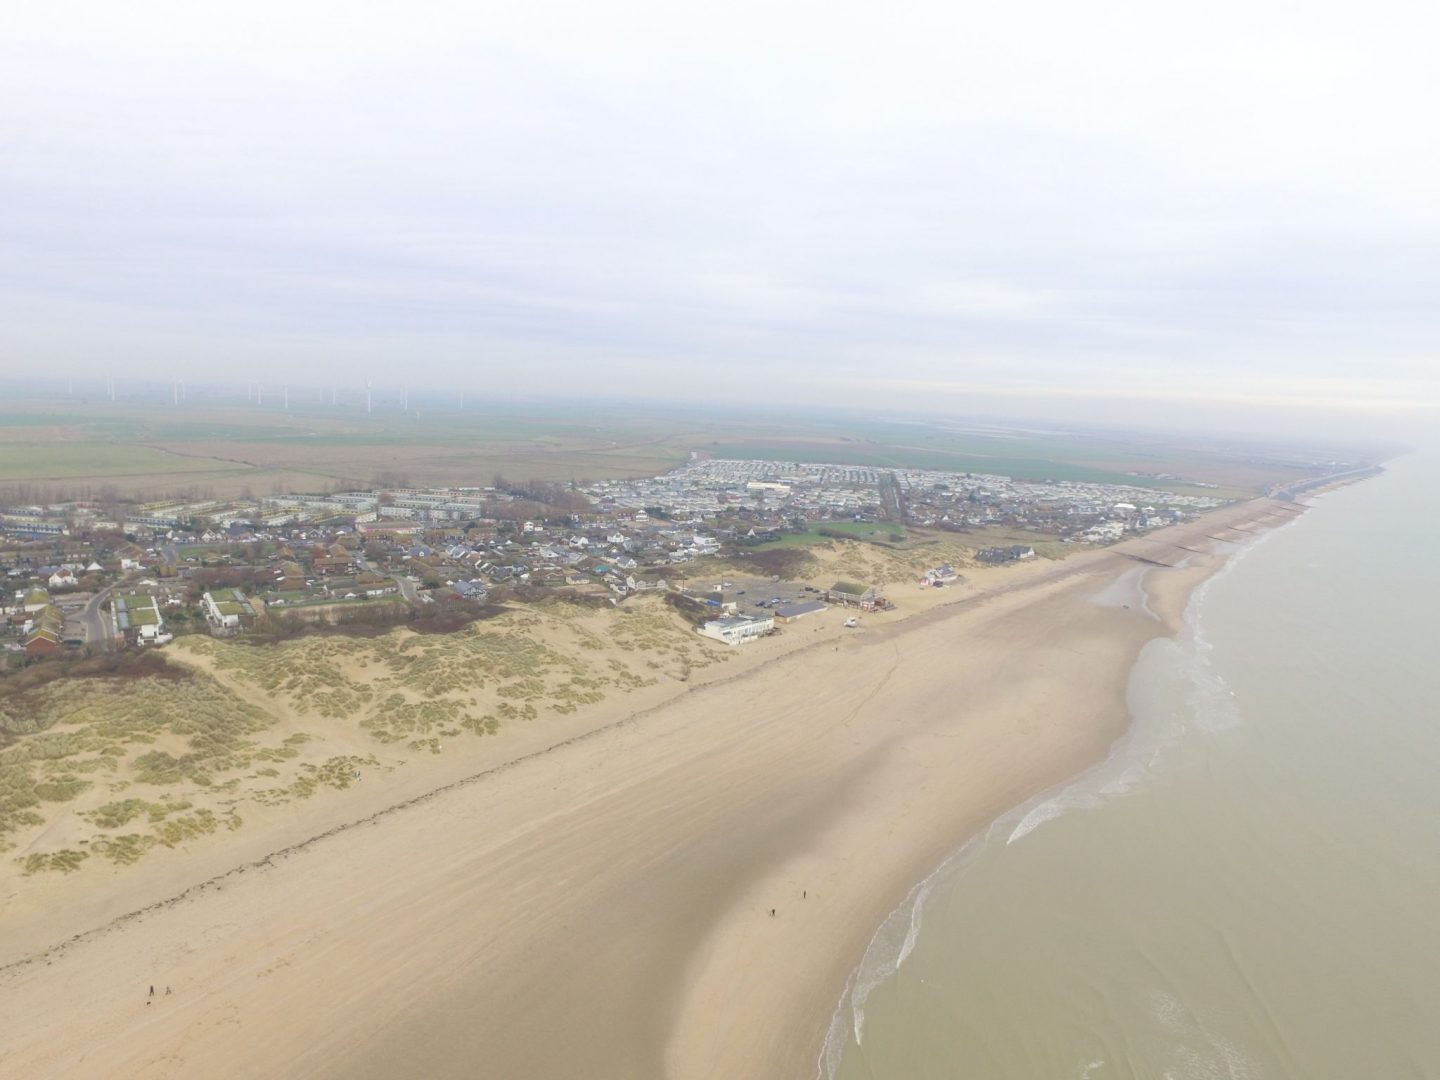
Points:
(858, 530)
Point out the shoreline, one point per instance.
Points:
(1168, 589)
(895, 938)
(601, 907)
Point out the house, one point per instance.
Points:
(940, 575)
(847, 592)
(138, 619)
(227, 616)
(62, 578)
(153, 634)
(42, 641)
(375, 584)
(788, 613)
(290, 580)
(737, 629)
(46, 628)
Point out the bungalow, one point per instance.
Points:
(289, 571)
(940, 575)
(737, 629)
(373, 584)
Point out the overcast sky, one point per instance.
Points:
(931, 204)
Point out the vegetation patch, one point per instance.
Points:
(64, 861)
(788, 563)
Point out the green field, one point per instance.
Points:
(880, 532)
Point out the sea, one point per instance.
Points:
(1249, 887)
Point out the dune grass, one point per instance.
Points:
(132, 765)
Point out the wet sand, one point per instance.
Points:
(603, 909)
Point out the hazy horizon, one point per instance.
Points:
(1112, 214)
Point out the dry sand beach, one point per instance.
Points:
(683, 892)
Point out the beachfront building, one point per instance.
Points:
(847, 592)
(940, 575)
(788, 613)
(738, 629)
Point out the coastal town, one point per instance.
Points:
(105, 573)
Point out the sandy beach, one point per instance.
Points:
(682, 892)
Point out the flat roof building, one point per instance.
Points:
(737, 629)
(790, 612)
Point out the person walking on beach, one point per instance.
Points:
(152, 991)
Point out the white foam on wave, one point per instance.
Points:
(1132, 762)
(1211, 701)
(889, 947)
(1196, 1052)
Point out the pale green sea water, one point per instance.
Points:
(1251, 886)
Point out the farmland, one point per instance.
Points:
(150, 450)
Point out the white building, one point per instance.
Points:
(737, 629)
(221, 620)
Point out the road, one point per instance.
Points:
(97, 622)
